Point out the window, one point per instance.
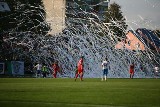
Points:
(129, 42)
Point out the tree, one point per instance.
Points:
(26, 16)
(116, 21)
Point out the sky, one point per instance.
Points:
(141, 13)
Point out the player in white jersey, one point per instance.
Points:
(38, 69)
(105, 69)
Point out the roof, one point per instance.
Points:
(149, 38)
(142, 38)
(4, 7)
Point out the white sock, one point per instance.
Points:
(105, 78)
(102, 78)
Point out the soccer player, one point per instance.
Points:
(80, 69)
(105, 69)
(44, 71)
(56, 69)
(38, 69)
(156, 69)
(131, 70)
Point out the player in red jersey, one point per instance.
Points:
(80, 69)
(131, 70)
(56, 69)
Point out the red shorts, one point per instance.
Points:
(131, 71)
(80, 71)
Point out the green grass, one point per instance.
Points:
(65, 92)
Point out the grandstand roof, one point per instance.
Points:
(148, 38)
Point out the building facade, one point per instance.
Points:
(55, 15)
(141, 39)
(58, 11)
(98, 7)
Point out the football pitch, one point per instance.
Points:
(92, 92)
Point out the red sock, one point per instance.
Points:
(54, 75)
(81, 77)
(76, 76)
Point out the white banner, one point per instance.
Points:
(1, 68)
(17, 67)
